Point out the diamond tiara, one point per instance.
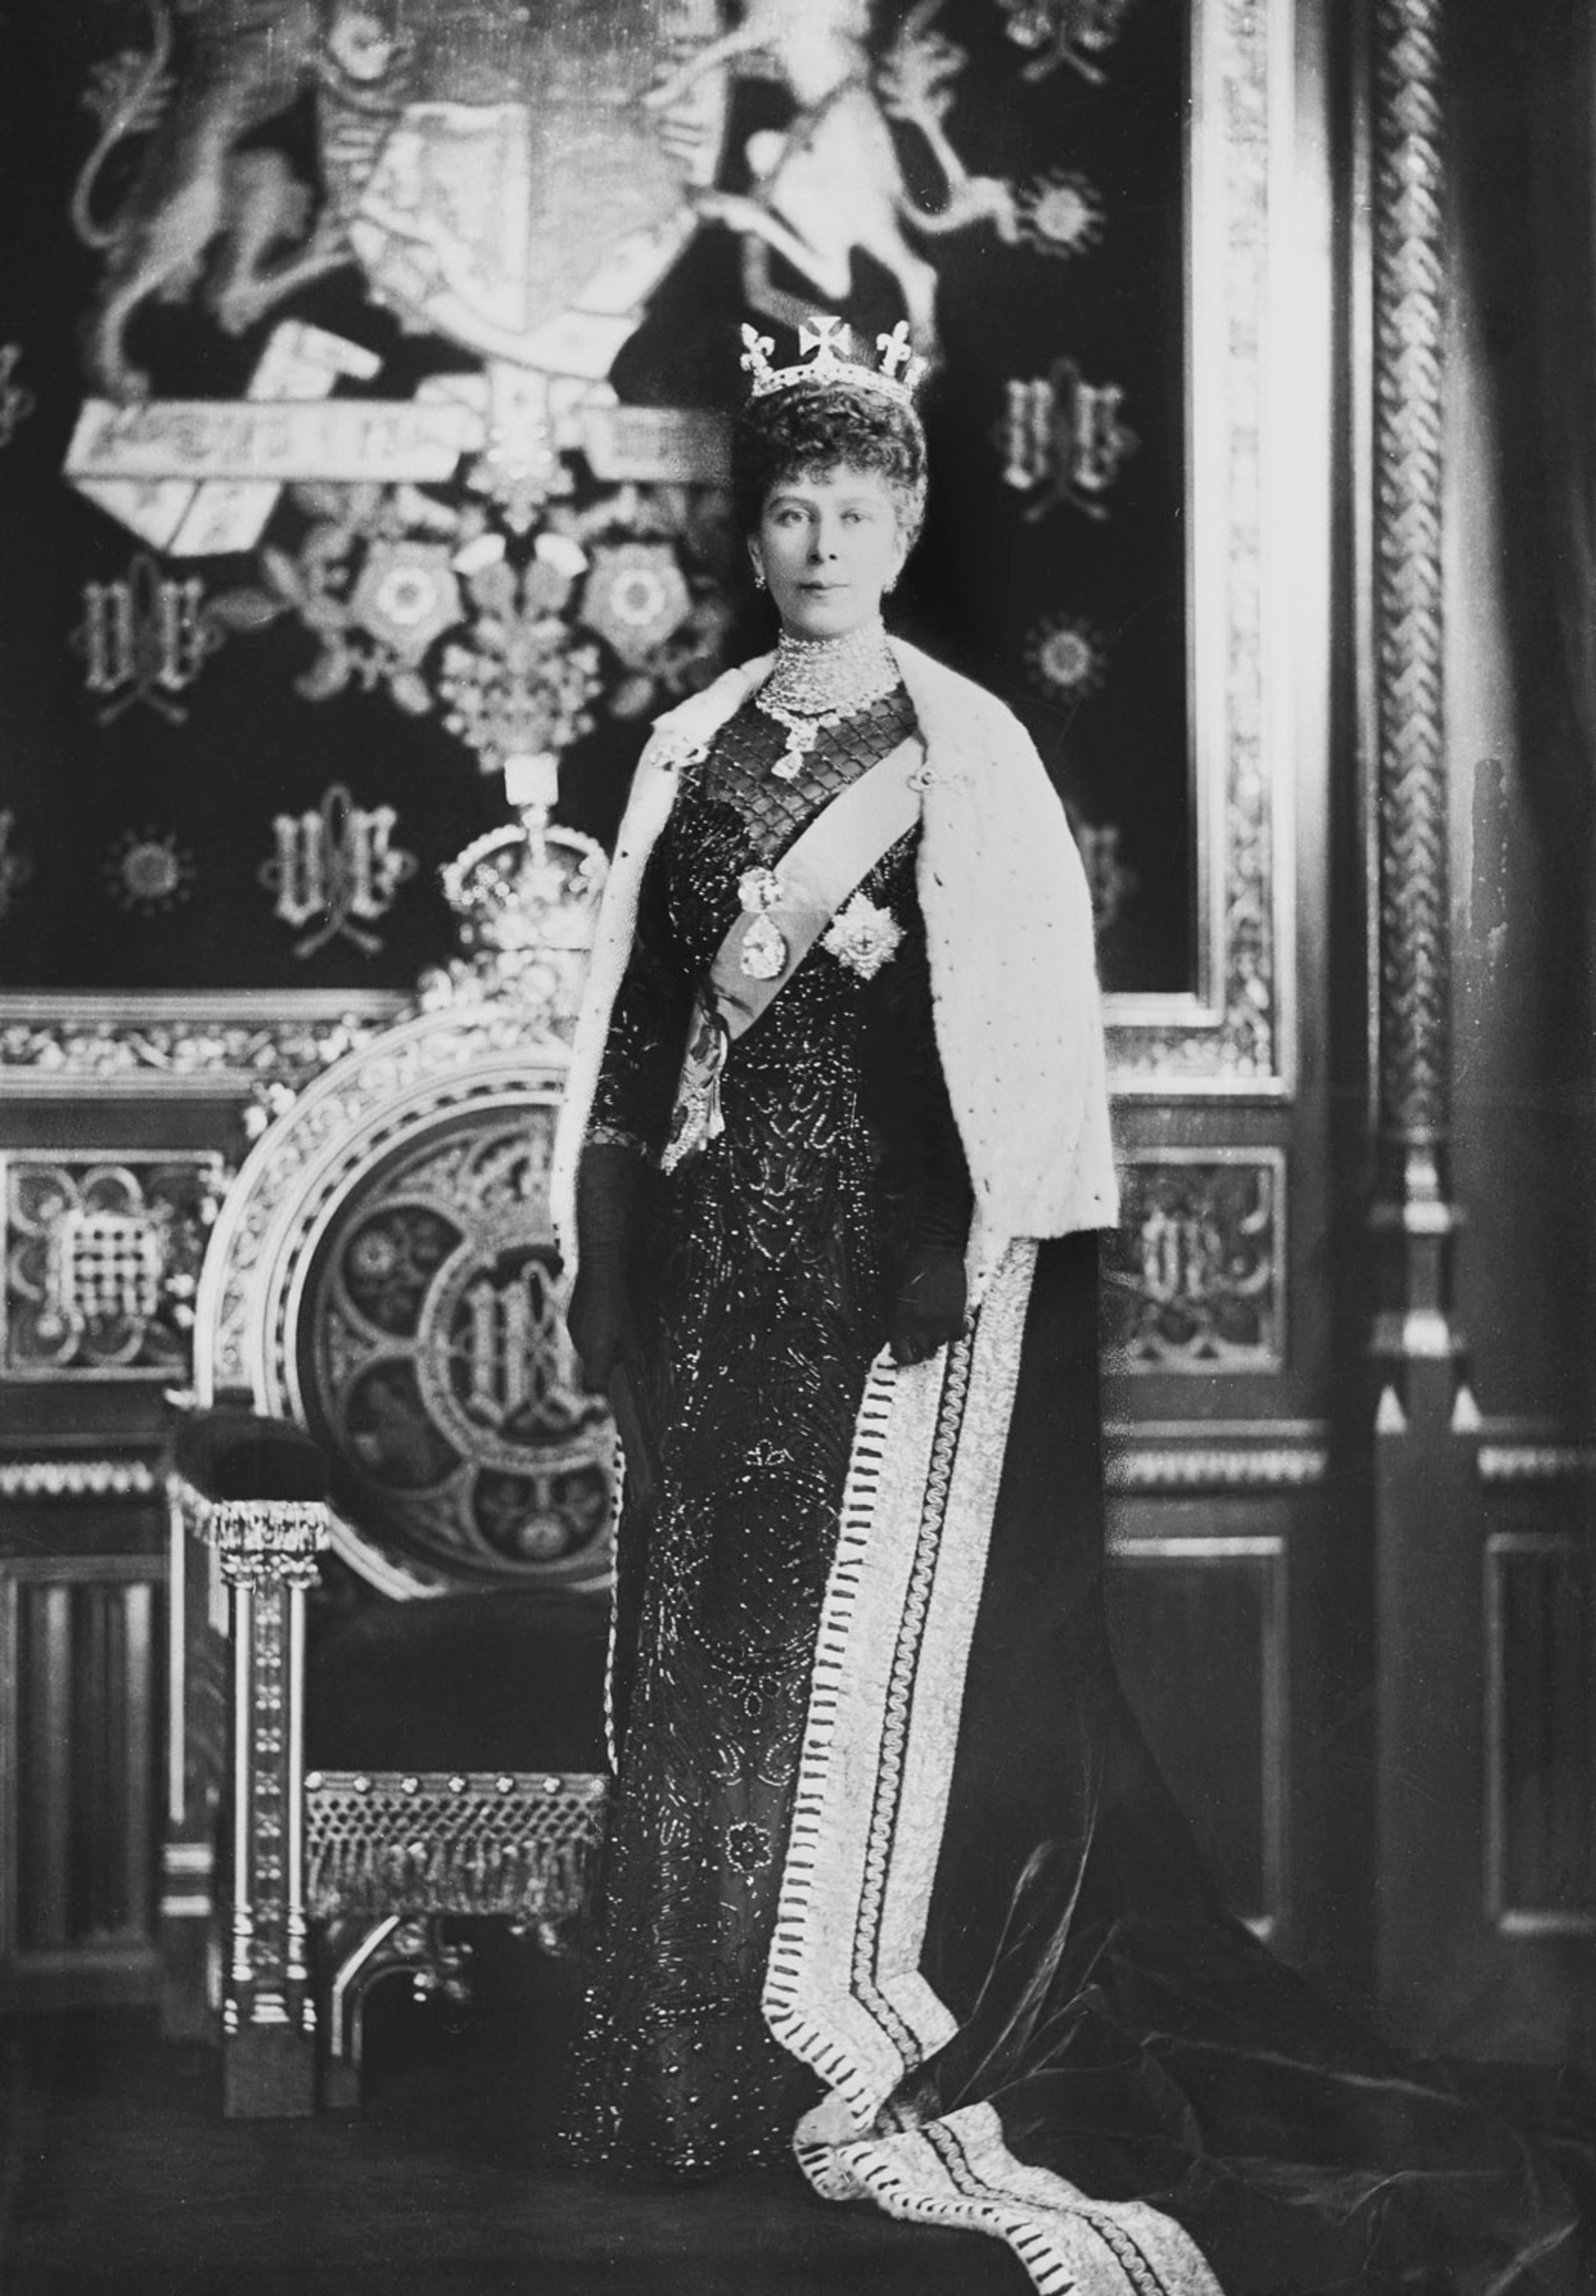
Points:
(896, 376)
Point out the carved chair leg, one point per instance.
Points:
(357, 1956)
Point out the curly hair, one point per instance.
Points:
(805, 431)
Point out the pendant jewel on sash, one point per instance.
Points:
(763, 953)
(764, 950)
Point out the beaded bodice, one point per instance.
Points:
(738, 772)
(797, 1146)
(805, 1093)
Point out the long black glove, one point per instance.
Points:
(933, 1299)
(932, 1302)
(599, 1317)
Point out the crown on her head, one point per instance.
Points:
(896, 377)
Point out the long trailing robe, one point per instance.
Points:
(1009, 936)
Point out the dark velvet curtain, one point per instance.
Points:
(1530, 221)
(1522, 88)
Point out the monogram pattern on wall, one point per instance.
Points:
(436, 1364)
(1063, 442)
(144, 637)
(100, 1259)
(1074, 32)
(1196, 1273)
(336, 871)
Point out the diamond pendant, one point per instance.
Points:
(763, 951)
(802, 734)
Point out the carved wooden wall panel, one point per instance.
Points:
(81, 1724)
(1540, 1634)
(1199, 1626)
(99, 1260)
(1197, 1272)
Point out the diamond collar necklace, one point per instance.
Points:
(816, 683)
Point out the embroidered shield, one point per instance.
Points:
(526, 201)
(494, 168)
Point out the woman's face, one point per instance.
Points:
(828, 547)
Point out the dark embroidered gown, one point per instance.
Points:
(1131, 2034)
(765, 1290)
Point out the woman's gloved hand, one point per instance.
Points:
(598, 1320)
(599, 1315)
(932, 1302)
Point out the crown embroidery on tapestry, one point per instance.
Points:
(896, 374)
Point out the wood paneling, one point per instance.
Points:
(1540, 1735)
(81, 1725)
(1199, 1628)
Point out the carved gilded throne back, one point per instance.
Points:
(383, 1271)
(383, 1276)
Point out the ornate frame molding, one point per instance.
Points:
(1517, 1465)
(1261, 1467)
(1234, 1035)
(70, 1478)
(66, 1045)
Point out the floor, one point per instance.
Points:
(118, 2174)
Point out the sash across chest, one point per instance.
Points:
(822, 866)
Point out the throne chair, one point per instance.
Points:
(391, 1511)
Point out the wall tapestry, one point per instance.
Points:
(362, 369)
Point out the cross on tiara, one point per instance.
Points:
(819, 336)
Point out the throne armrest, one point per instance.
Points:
(229, 1455)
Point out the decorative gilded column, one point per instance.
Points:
(1414, 1219)
(267, 1552)
(1428, 1678)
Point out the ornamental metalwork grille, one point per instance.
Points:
(100, 1259)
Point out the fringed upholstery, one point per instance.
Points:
(446, 1843)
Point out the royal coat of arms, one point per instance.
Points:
(491, 167)
(504, 545)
